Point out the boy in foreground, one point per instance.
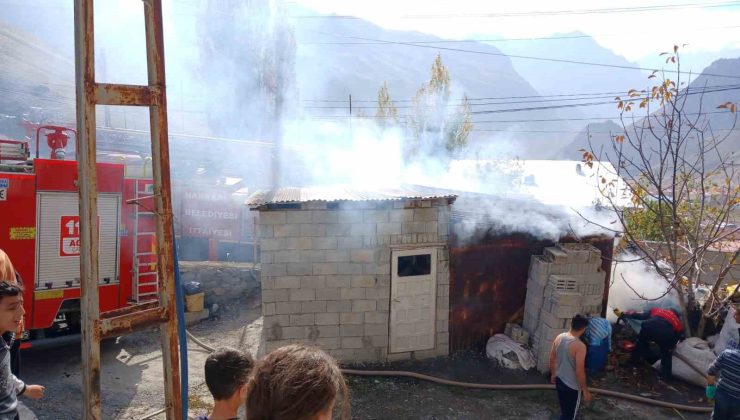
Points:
(11, 316)
(227, 371)
(567, 363)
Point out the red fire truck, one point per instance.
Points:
(39, 230)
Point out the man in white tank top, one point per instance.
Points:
(567, 365)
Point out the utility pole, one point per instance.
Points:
(351, 136)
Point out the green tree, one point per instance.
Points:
(387, 114)
(459, 127)
(437, 124)
(247, 50)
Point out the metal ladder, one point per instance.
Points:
(162, 311)
(145, 285)
(14, 150)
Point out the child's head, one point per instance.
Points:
(7, 272)
(11, 306)
(227, 373)
(296, 382)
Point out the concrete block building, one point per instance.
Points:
(566, 280)
(361, 274)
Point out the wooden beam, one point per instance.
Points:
(129, 309)
(129, 95)
(135, 321)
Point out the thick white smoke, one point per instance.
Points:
(226, 66)
(640, 276)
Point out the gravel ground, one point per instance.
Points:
(131, 379)
(132, 382)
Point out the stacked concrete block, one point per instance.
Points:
(326, 274)
(566, 280)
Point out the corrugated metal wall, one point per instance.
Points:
(488, 283)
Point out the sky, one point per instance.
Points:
(708, 26)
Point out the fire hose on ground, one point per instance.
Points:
(505, 387)
(429, 378)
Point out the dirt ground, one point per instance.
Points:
(132, 382)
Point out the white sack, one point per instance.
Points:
(509, 353)
(698, 352)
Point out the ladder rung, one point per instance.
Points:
(144, 254)
(146, 213)
(146, 233)
(147, 294)
(147, 274)
(120, 94)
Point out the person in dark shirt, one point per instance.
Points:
(227, 371)
(11, 315)
(661, 326)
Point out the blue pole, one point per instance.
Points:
(180, 305)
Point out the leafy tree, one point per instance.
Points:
(387, 113)
(437, 124)
(683, 188)
(247, 65)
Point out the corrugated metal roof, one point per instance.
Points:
(554, 182)
(288, 195)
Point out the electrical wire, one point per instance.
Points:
(648, 8)
(511, 97)
(572, 131)
(331, 117)
(527, 57)
(543, 38)
(690, 92)
(507, 110)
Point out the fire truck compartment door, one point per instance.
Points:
(58, 262)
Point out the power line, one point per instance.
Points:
(557, 95)
(734, 87)
(649, 8)
(572, 131)
(527, 120)
(526, 57)
(547, 107)
(579, 119)
(544, 38)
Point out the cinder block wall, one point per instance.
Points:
(565, 281)
(326, 274)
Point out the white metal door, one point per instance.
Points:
(57, 259)
(413, 299)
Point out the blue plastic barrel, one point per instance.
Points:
(597, 355)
